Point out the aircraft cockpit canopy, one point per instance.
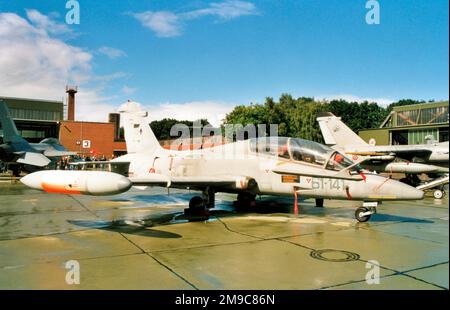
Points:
(301, 150)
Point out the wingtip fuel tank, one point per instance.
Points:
(95, 183)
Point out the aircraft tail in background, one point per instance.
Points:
(10, 133)
(335, 132)
(138, 134)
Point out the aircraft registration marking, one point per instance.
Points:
(314, 183)
(327, 183)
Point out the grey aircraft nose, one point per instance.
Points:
(379, 188)
(400, 190)
(407, 192)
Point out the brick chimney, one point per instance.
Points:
(71, 91)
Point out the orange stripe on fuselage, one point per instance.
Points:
(59, 189)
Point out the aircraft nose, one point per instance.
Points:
(32, 180)
(399, 190)
(410, 193)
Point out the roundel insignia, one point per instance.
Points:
(372, 142)
(355, 157)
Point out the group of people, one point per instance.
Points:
(76, 162)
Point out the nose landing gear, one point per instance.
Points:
(364, 213)
(438, 194)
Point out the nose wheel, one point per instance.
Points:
(364, 213)
(438, 194)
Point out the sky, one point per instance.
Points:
(191, 59)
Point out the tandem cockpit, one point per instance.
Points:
(303, 151)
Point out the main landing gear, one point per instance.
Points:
(199, 206)
(319, 202)
(245, 201)
(364, 213)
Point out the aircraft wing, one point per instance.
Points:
(56, 153)
(154, 179)
(400, 152)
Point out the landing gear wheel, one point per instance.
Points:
(245, 201)
(196, 202)
(359, 214)
(438, 194)
(197, 210)
(319, 202)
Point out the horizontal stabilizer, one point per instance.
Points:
(33, 159)
(55, 153)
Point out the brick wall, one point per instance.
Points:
(100, 135)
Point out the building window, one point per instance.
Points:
(427, 116)
(35, 114)
(420, 136)
(407, 118)
(434, 115)
(28, 134)
(443, 134)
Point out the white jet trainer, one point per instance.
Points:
(263, 166)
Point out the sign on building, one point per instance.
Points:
(86, 144)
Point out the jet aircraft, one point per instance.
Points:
(431, 159)
(19, 154)
(260, 166)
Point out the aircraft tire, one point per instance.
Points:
(196, 202)
(359, 218)
(319, 202)
(438, 194)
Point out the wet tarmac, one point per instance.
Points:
(142, 240)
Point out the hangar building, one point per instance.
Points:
(38, 119)
(35, 119)
(412, 124)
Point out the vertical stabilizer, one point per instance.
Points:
(138, 134)
(10, 133)
(335, 132)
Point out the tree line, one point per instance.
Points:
(296, 117)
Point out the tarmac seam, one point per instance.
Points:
(405, 236)
(395, 272)
(159, 262)
(172, 271)
(404, 273)
(236, 232)
(83, 206)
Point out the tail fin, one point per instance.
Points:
(138, 134)
(335, 132)
(10, 133)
